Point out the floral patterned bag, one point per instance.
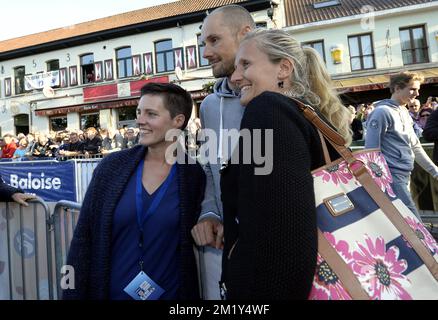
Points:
(370, 245)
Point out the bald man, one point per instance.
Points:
(221, 33)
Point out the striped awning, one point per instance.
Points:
(377, 82)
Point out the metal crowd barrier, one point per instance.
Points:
(80, 156)
(84, 173)
(26, 269)
(33, 248)
(63, 220)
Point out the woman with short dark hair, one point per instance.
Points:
(133, 236)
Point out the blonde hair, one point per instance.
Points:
(351, 109)
(310, 79)
(402, 79)
(92, 130)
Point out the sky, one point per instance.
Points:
(24, 17)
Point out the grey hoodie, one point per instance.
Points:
(390, 128)
(219, 110)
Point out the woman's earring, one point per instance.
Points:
(281, 84)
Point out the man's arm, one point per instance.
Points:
(421, 156)
(209, 229)
(377, 125)
(209, 207)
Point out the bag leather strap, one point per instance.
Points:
(324, 148)
(362, 175)
(341, 269)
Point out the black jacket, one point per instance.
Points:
(93, 146)
(271, 219)
(430, 133)
(6, 191)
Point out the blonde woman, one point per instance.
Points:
(20, 152)
(270, 227)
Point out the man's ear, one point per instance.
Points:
(286, 69)
(243, 31)
(179, 120)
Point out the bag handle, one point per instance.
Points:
(358, 169)
(324, 148)
(343, 272)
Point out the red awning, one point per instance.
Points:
(86, 107)
(118, 90)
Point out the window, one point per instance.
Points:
(52, 65)
(19, 73)
(90, 120)
(127, 113)
(414, 45)
(261, 25)
(361, 52)
(87, 68)
(317, 45)
(201, 47)
(127, 116)
(164, 56)
(21, 123)
(58, 123)
(124, 62)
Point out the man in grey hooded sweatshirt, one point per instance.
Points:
(390, 128)
(222, 32)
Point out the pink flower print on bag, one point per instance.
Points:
(380, 271)
(378, 169)
(326, 285)
(423, 234)
(338, 173)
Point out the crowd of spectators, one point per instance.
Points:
(419, 113)
(67, 144)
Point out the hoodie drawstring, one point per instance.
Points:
(221, 124)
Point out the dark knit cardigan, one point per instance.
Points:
(275, 238)
(430, 133)
(6, 191)
(90, 251)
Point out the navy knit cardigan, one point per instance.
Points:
(90, 249)
(7, 191)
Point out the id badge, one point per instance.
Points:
(143, 288)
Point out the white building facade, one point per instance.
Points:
(364, 45)
(96, 77)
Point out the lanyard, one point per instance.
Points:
(141, 219)
(155, 203)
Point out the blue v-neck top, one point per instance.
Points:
(160, 252)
